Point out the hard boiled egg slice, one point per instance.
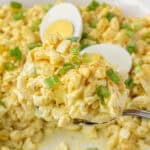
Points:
(114, 54)
(63, 19)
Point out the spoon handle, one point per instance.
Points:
(136, 112)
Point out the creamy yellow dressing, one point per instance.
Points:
(63, 27)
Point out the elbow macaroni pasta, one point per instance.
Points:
(28, 107)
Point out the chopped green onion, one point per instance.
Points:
(93, 5)
(73, 39)
(129, 82)
(75, 57)
(83, 46)
(34, 45)
(129, 33)
(131, 48)
(35, 25)
(110, 15)
(14, 4)
(18, 16)
(66, 67)
(103, 92)
(47, 7)
(128, 28)
(51, 81)
(137, 65)
(75, 54)
(9, 66)
(85, 58)
(94, 24)
(113, 75)
(76, 63)
(2, 103)
(15, 52)
(125, 26)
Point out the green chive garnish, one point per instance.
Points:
(9, 66)
(66, 67)
(113, 75)
(73, 39)
(34, 45)
(15, 52)
(129, 82)
(129, 33)
(18, 16)
(35, 25)
(51, 81)
(75, 52)
(110, 15)
(131, 48)
(103, 92)
(75, 55)
(76, 63)
(128, 28)
(125, 26)
(15, 4)
(93, 5)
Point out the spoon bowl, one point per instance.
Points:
(119, 57)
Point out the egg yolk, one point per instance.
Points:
(62, 27)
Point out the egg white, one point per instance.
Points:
(65, 11)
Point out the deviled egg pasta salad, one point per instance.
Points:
(45, 85)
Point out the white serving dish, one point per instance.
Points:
(137, 8)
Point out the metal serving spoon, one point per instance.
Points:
(117, 56)
(127, 112)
